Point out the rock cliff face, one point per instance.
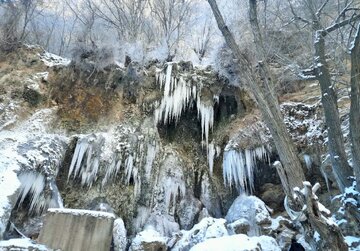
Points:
(160, 146)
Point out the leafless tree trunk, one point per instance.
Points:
(10, 37)
(172, 16)
(355, 107)
(260, 84)
(340, 166)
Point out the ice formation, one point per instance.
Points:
(122, 152)
(85, 161)
(308, 162)
(211, 154)
(33, 185)
(180, 94)
(238, 167)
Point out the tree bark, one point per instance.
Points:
(355, 107)
(340, 166)
(259, 83)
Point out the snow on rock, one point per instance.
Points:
(149, 239)
(162, 223)
(303, 122)
(29, 153)
(240, 226)
(205, 229)
(81, 212)
(238, 243)
(251, 209)
(52, 60)
(353, 242)
(119, 235)
(23, 244)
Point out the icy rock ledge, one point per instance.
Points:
(238, 242)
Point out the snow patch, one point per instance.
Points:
(52, 60)
(80, 212)
(22, 244)
(238, 242)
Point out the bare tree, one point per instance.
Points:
(10, 35)
(315, 17)
(127, 17)
(291, 173)
(171, 16)
(260, 83)
(355, 106)
(202, 40)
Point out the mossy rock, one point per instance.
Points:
(32, 96)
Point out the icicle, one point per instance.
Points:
(113, 168)
(210, 155)
(206, 114)
(150, 157)
(218, 151)
(238, 167)
(307, 160)
(86, 159)
(33, 185)
(129, 164)
(176, 97)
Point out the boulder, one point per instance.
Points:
(148, 240)
(188, 209)
(251, 209)
(206, 229)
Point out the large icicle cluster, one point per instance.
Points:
(178, 94)
(86, 159)
(238, 167)
(122, 152)
(34, 186)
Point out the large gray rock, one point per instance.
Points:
(148, 240)
(189, 208)
(77, 230)
(251, 209)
